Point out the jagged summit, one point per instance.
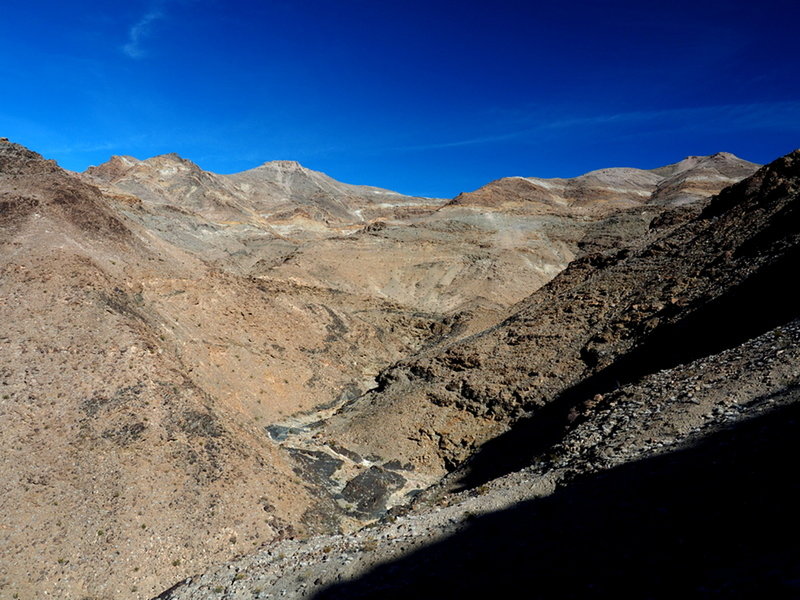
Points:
(173, 160)
(715, 156)
(16, 159)
(120, 166)
(169, 156)
(283, 164)
(33, 188)
(699, 176)
(723, 161)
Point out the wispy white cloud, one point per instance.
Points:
(139, 31)
(99, 146)
(785, 115)
(740, 116)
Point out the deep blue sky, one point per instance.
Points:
(429, 98)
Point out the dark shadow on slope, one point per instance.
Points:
(756, 306)
(716, 520)
(760, 303)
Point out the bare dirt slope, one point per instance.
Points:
(119, 471)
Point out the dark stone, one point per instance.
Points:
(396, 465)
(196, 423)
(280, 433)
(316, 466)
(354, 456)
(370, 490)
(126, 434)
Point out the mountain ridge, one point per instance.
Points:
(614, 188)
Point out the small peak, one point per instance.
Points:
(123, 159)
(283, 164)
(716, 156)
(172, 161)
(13, 153)
(171, 156)
(724, 156)
(114, 167)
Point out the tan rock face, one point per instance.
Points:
(171, 340)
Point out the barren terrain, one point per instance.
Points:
(309, 378)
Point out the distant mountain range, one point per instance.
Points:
(691, 179)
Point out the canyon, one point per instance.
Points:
(274, 383)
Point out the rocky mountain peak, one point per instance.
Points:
(172, 163)
(610, 189)
(286, 165)
(113, 168)
(723, 160)
(15, 159)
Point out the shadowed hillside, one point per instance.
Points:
(713, 520)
